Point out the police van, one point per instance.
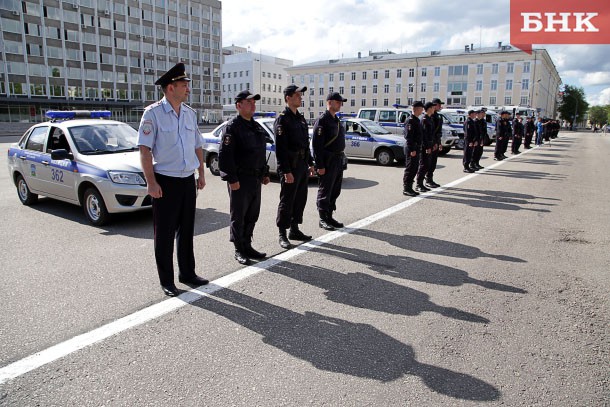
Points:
(456, 118)
(394, 119)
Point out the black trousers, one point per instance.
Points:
(329, 185)
(424, 165)
(514, 147)
(411, 166)
(501, 146)
(467, 158)
(174, 218)
(432, 168)
(245, 205)
(477, 153)
(293, 197)
(528, 140)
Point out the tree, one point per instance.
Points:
(598, 115)
(573, 105)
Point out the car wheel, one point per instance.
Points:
(213, 164)
(23, 191)
(95, 208)
(444, 150)
(384, 156)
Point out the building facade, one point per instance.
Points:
(497, 76)
(102, 54)
(259, 73)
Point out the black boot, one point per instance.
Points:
(408, 190)
(334, 222)
(296, 234)
(324, 222)
(253, 254)
(421, 188)
(283, 240)
(240, 254)
(431, 184)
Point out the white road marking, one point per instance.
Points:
(76, 343)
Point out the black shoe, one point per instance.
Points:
(254, 254)
(421, 188)
(170, 290)
(283, 240)
(468, 170)
(298, 235)
(498, 158)
(479, 166)
(325, 225)
(409, 192)
(334, 222)
(504, 157)
(195, 281)
(473, 167)
(241, 258)
(431, 184)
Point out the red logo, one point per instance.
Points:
(559, 22)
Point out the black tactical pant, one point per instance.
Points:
(514, 147)
(293, 197)
(174, 219)
(329, 185)
(528, 140)
(411, 166)
(245, 204)
(467, 158)
(477, 153)
(433, 161)
(424, 166)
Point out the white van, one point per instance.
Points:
(394, 119)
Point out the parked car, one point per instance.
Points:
(81, 158)
(368, 139)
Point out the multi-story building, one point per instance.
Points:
(497, 76)
(103, 54)
(263, 74)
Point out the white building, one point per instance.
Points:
(259, 73)
(495, 76)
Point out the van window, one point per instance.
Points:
(367, 114)
(386, 116)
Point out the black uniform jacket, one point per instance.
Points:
(503, 128)
(328, 139)
(291, 140)
(470, 131)
(429, 132)
(242, 150)
(413, 133)
(438, 130)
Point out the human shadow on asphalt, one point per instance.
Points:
(541, 161)
(488, 201)
(357, 183)
(408, 268)
(361, 290)
(430, 245)
(339, 346)
(535, 175)
(512, 197)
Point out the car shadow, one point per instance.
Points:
(339, 346)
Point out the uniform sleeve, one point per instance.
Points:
(147, 132)
(226, 155)
(199, 136)
(281, 145)
(317, 142)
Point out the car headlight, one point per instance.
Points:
(124, 177)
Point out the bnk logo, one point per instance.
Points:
(559, 22)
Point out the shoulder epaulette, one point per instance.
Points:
(188, 107)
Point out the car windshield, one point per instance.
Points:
(453, 118)
(374, 127)
(104, 138)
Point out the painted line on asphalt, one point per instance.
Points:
(137, 318)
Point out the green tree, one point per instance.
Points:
(598, 115)
(573, 105)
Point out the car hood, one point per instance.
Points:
(128, 161)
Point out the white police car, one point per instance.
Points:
(368, 139)
(211, 143)
(81, 158)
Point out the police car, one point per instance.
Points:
(211, 143)
(81, 158)
(368, 139)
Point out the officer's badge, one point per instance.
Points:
(319, 131)
(226, 140)
(408, 127)
(147, 127)
(280, 130)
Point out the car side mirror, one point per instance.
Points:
(61, 154)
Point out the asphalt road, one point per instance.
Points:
(493, 290)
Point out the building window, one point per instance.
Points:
(437, 71)
(410, 88)
(423, 100)
(494, 69)
(524, 101)
(353, 76)
(398, 88)
(508, 100)
(424, 72)
(363, 90)
(399, 73)
(386, 88)
(494, 85)
(397, 101)
(510, 68)
(331, 89)
(341, 76)
(479, 86)
(458, 70)
(436, 87)
(386, 74)
(331, 77)
(353, 90)
(386, 102)
(423, 87)
(352, 102)
(477, 101)
(374, 102)
(509, 84)
(375, 74)
(526, 67)
(411, 72)
(525, 84)
(363, 102)
(321, 91)
(479, 69)
(341, 90)
(321, 103)
(410, 101)
(364, 75)
(492, 100)
(374, 89)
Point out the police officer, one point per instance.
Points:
(518, 132)
(477, 152)
(170, 151)
(471, 132)
(438, 143)
(242, 163)
(295, 165)
(413, 134)
(503, 132)
(328, 143)
(428, 141)
(530, 128)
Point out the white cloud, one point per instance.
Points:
(602, 98)
(596, 78)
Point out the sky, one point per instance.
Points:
(315, 30)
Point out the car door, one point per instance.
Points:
(357, 142)
(33, 164)
(270, 148)
(62, 182)
(388, 118)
